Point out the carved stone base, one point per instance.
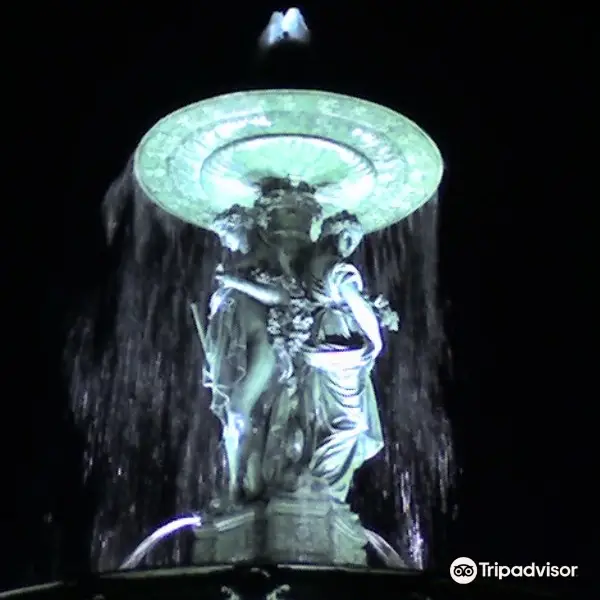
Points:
(302, 527)
(235, 537)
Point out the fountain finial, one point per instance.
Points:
(285, 27)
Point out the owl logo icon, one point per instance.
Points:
(463, 570)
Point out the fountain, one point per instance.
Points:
(272, 326)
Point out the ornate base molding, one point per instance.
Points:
(301, 527)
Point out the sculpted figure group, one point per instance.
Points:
(290, 345)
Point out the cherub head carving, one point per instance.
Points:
(344, 231)
(233, 226)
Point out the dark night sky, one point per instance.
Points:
(490, 86)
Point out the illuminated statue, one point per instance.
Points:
(244, 364)
(240, 362)
(340, 355)
(290, 347)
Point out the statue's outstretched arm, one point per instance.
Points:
(363, 313)
(265, 294)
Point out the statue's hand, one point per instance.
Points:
(373, 353)
(265, 293)
(226, 280)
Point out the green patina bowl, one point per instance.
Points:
(361, 157)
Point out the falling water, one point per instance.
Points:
(153, 446)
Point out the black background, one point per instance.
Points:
(498, 86)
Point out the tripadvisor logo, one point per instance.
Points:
(465, 570)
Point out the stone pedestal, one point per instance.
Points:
(303, 527)
(235, 537)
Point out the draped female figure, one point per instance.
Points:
(339, 357)
(240, 363)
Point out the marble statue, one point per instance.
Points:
(339, 357)
(240, 363)
(290, 346)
